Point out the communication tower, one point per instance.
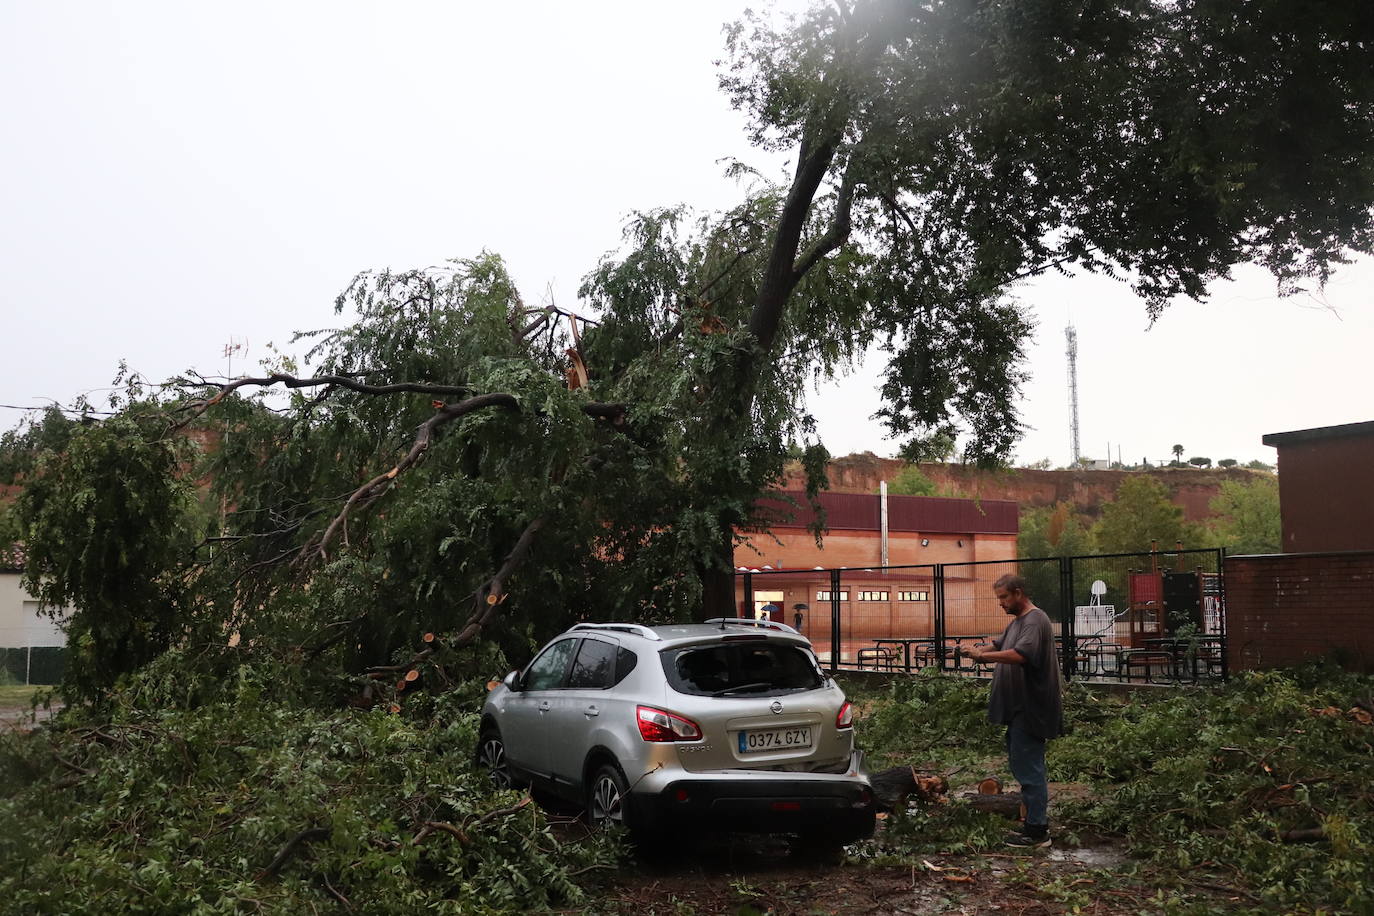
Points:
(1072, 336)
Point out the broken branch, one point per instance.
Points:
(305, 836)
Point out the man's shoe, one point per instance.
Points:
(1028, 840)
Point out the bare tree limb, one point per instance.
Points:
(739, 255)
(499, 812)
(374, 487)
(313, 833)
(492, 592)
(898, 210)
(334, 892)
(836, 234)
(348, 380)
(461, 833)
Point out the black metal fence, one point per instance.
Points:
(1152, 617)
(32, 665)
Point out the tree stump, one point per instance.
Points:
(896, 786)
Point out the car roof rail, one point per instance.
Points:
(635, 628)
(751, 622)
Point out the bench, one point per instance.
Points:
(880, 657)
(1148, 660)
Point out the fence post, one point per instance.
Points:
(748, 595)
(938, 584)
(1221, 617)
(834, 621)
(1067, 612)
(28, 664)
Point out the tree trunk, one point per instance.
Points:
(1008, 804)
(718, 579)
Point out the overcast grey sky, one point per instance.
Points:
(177, 176)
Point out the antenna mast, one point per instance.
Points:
(1072, 336)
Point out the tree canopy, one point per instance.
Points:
(454, 459)
(1141, 514)
(1248, 514)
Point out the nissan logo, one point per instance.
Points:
(776, 707)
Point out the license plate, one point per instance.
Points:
(774, 739)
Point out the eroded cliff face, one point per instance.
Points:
(1086, 490)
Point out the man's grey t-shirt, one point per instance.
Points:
(1030, 691)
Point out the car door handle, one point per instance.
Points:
(544, 706)
(592, 711)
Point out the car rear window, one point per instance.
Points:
(741, 669)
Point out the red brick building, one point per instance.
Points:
(887, 574)
(1326, 487)
(1314, 599)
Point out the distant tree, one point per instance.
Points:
(1141, 513)
(909, 481)
(1050, 531)
(1248, 516)
(1053, 531)
(1178, 452)
(1258, 465)
(936, 447)
(1044, 464)
(1226, 463)
(1200, 462)
(10, 529)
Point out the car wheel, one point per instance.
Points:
(606, 797)
(491, 756)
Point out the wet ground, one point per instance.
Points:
(24, 717)
(764, 875)
(756, 876)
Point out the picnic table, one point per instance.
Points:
(925, 646)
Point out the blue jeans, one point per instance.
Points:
(1026, 754)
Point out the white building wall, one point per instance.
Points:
(20, 622)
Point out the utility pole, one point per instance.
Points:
(1072, 336)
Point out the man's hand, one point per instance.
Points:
(972, 652)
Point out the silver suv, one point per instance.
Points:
(728, 724)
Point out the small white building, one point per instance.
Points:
(21, 624)
(23, 627)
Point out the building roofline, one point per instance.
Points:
(1319, 433)
(907, 514)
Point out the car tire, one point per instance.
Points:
(607, 797)
(491, 756)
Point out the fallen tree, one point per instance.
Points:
(453, 459)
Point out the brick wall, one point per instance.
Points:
(1087, 491)
(1286, 608)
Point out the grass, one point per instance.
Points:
(22, 695)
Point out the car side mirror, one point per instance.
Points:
(512, 681)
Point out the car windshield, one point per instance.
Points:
(741, 669)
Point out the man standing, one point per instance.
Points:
(1026, 699)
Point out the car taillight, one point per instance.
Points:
(657, 725)
(845, 717)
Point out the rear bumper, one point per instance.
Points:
(841, 807)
